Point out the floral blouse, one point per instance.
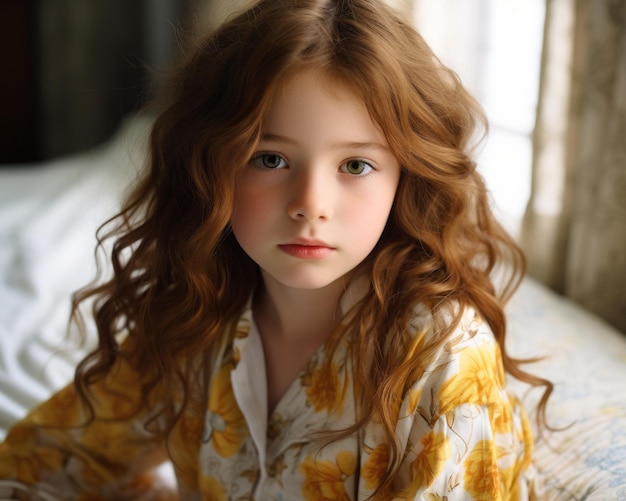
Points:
(462, 435)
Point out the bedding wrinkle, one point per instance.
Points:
(49, 214)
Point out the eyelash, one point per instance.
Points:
(259, 157)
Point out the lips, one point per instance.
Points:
(307, 249)
(309, 242)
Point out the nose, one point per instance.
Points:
(311, 196)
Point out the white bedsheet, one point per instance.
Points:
(48, 217)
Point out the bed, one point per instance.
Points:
(48, 216)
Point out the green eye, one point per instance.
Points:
(356, 167)
(270, 161)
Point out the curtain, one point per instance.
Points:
(574, 229)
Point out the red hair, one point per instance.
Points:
(180, 278)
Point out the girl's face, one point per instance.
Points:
(315, 197)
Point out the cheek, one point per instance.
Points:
(251, 211)
(366, 222)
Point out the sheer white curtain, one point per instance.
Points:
(495, 47)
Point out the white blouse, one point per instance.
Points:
(461, 434)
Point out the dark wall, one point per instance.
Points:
(19, 100)
(73, 69)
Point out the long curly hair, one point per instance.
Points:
(180, 278)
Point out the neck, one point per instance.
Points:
(298, 315)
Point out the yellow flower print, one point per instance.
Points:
(481, 477)
(107, 446)
(212, 490)
(376, 466)
(430, 461)
(119, 395)
(322, 384)
(477, 382)
(414, 399)
(225, 425)
(63, 409)
(500, 417)
(22, 460)
(508, 479)
(524, 432)
(528, 440)
(325, 480)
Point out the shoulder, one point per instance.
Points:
(466, 367)
(458, 421)
(462, 329)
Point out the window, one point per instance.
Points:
(495, 47)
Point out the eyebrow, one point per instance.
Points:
(339, 145)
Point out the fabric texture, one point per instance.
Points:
(585, 358)
(461, 434)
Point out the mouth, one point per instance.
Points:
(307, 249)
(309, 242)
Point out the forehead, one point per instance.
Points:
(310, 101)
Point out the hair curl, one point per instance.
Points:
(180, 278)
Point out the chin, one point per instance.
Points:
(314, 281)
(308, 284)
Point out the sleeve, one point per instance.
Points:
(53, 454)
(462, 435)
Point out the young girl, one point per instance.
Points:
(302, 304)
